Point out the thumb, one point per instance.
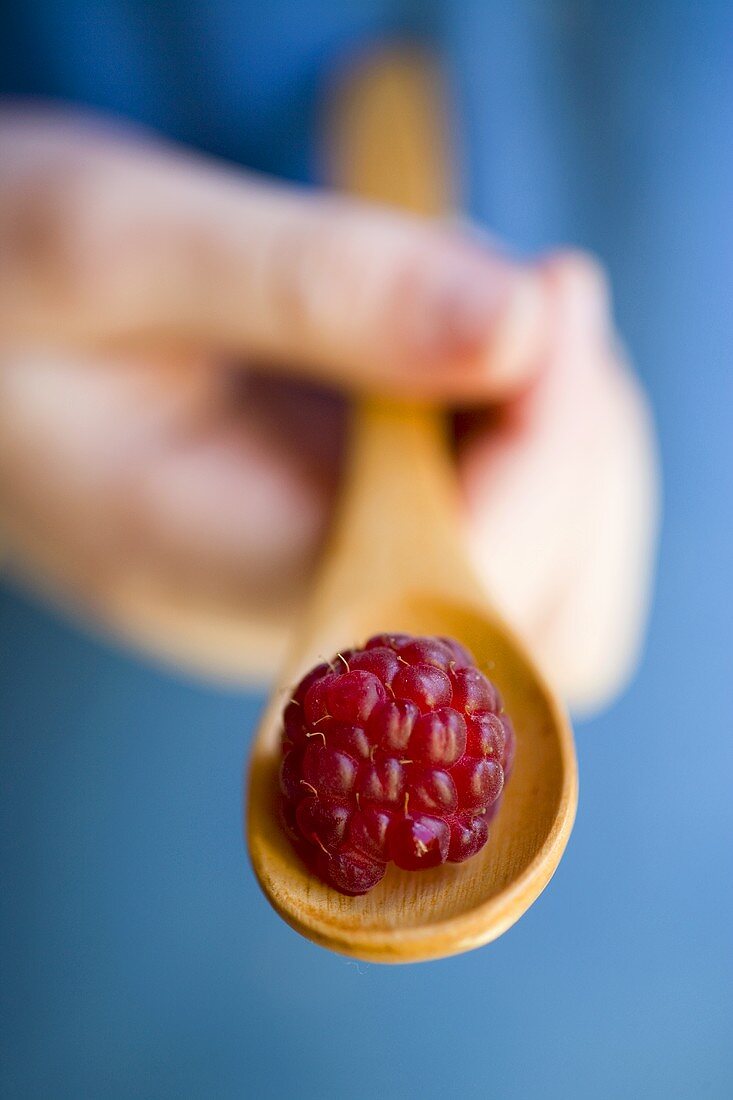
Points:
(128, 240)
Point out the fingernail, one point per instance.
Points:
(465, 316)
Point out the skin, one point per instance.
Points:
(177, 341)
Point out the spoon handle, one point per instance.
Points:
(398, 526)
(386, 134)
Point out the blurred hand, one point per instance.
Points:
(175, 336)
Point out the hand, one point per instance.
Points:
(175, 340)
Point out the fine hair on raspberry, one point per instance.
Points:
(394, 753)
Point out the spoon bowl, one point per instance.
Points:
(413, 916)
(396, 563)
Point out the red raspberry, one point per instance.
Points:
(395, 752)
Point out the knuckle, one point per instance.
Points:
(72, 233)
(318, 280)
(295, 276)
(40, 227)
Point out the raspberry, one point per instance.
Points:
(397, 752)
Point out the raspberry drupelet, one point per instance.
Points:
(395, 752)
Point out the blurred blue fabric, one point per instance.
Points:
(139, 959)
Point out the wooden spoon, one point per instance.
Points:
(396, 562)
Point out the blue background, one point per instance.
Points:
(139, 959)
